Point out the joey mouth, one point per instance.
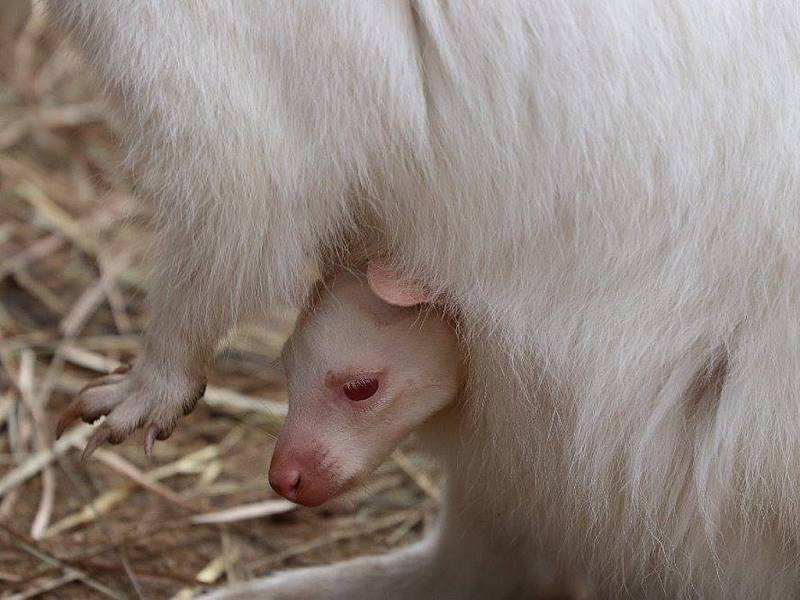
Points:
(320, 494)
(302, 476)
(311, 491)
(311, 483)
(313, 495)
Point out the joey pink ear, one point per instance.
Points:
(393, 288)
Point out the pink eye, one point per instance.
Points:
(360, 389)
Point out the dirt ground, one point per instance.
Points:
(73, 275)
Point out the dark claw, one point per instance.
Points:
(99, 437)
(150, 440)
(71, 414)
(155, 433)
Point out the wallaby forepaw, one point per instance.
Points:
(130, 399)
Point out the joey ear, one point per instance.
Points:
(393, 288)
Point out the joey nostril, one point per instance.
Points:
(286, 483)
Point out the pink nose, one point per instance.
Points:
(285, 482)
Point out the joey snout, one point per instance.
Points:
(300, 476)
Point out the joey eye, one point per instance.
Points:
(360, 389)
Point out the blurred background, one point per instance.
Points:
(73, 275)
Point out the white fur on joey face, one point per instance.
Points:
(362, 374)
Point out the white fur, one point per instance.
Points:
(608, 191)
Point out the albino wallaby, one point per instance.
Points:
(607, 192)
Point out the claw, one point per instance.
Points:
(150, 440)
(155, 433)
(99, 437)
(71, 414)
